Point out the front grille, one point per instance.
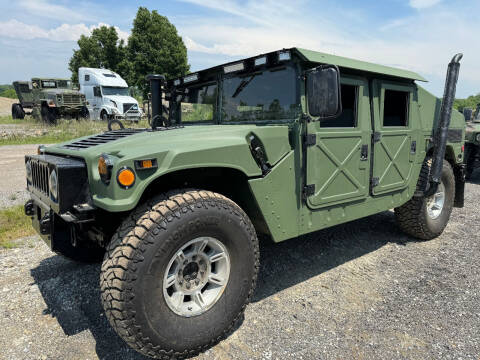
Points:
(71, 99)
(40, 176)
(131, 107)
(101, 138)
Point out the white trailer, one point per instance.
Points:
(107, 95)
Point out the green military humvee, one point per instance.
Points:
(48, 99)
(282, 144)
(472, 142)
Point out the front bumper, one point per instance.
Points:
(54, 217)
(135, 117)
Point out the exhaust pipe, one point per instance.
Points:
(441, 132)
(156, 82)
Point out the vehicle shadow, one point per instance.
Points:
(475, 178)
(291, 262)
(72, 295)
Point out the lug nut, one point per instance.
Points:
(197, 282)
(188, 285)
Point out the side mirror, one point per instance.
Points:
(323, 91)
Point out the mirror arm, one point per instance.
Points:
(307, 118)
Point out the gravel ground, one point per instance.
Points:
(359, 290)
(12, 162)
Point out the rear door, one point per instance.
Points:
(394, 146)
(338, 150)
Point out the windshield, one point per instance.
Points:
(64, 84)
(268, 95)
(49, 84)
(198, 104)
(115, 90)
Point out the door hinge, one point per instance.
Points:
(310, 140)
(375, 181)
(308, 190)
(376, 136)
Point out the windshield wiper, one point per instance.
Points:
(243, 84)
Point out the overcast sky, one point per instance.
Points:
(37, 36)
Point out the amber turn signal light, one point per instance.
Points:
(146, 164)
(126, 177)
(105, 165)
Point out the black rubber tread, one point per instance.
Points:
(125, 250)
(411, 217)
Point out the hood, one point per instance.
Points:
(120, 99)
(199, 146)
(178, 140)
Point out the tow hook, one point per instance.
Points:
(45, 224)
(29, 208)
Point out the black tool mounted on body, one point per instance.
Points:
(441, 131)
(156, 82)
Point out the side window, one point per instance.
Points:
(87, 77)
(96, 91)
(395, 108)
(348, 118)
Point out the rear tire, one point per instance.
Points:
(426, 217)
(17, 111)
(137, 266)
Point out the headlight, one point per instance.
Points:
(105, 165)
(28, 168)
(477, 137)
(53, 184)
(114, 103)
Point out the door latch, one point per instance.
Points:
(413, 147)
(364, 153)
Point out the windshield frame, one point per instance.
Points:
(218, 78)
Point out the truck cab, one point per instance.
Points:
(107, 95)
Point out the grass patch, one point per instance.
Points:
(14, 224)
(64, 130)
(9, 120)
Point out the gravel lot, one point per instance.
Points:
(359, 290)
(12, 162)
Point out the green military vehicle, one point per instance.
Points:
(48, 99)
(472, 142)
(279, 145)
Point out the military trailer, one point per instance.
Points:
(472, 142)
(48, 99)
(279, 145)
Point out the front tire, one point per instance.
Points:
(139, 269)
(49, 115)
(426, 217)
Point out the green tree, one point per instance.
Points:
(470, 102)
(154, 46)
(102, 49)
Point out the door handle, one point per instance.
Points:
(364, 153)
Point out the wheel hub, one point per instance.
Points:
(196, 276)
(436, 202)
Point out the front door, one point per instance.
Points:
(394, 146)
(338, 150)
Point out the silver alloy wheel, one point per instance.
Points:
(196, 276)
(435, 202)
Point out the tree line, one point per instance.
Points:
(153, 47)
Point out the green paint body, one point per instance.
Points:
(334, 165)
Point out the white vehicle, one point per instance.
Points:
(107, 95)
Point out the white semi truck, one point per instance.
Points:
(107, 95)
